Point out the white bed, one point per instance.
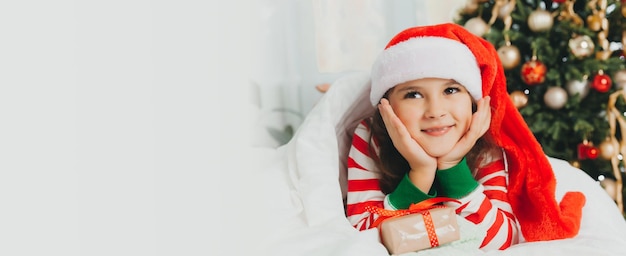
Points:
(304, 187)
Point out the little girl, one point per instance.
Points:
(444, 126)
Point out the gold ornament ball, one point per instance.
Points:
(619, 78)
(555, 97)
(476, 26)
(575, 163)
(594, 22)
(608, 149)
(519, 99)
(610, 187)
(509, 56)
(581, 46)
(540, 20)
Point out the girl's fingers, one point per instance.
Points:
(384, 109)
(481, 121)
(402, 139)
(395, 127)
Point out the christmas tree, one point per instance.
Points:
(563, 61)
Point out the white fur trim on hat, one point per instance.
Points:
(425, 57)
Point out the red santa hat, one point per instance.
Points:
(449, 51)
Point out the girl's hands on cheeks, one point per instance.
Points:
(421, 163)
(481, 120)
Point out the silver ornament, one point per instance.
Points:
(581, 46)
(509, 56)
(580, 87)
(555, 97)
(476, 26)
(608, 149)
(540, 20)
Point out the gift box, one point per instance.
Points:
(419, 231)
(422, 226)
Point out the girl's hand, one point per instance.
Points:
(481, 120)
(410, 149)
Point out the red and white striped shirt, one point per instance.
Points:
(487, 206)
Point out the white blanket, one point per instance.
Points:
(304, 188)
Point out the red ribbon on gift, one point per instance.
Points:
(422, 207)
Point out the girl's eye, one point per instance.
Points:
(451, 90)
(413, 95)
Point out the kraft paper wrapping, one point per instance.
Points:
(408, 233)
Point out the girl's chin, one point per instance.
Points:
(437, 152)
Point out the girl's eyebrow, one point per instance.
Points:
(409, 88)
(416, 88)
(451, 82)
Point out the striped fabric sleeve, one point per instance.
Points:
(363, 187)
(488, 207)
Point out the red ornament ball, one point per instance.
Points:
(587, 150)
(602, 83)
(533, 72)
(592, 152)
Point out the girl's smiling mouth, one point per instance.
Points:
(436, 131)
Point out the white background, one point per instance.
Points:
(125, 125)
(113, 131)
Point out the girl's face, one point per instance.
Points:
(437, 112)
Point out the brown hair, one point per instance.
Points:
(393, 166)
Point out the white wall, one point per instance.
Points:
(110, 126)
(287, 64)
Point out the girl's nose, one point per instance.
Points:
(434, 109)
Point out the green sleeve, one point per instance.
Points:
(406, 194)
(456, 182)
